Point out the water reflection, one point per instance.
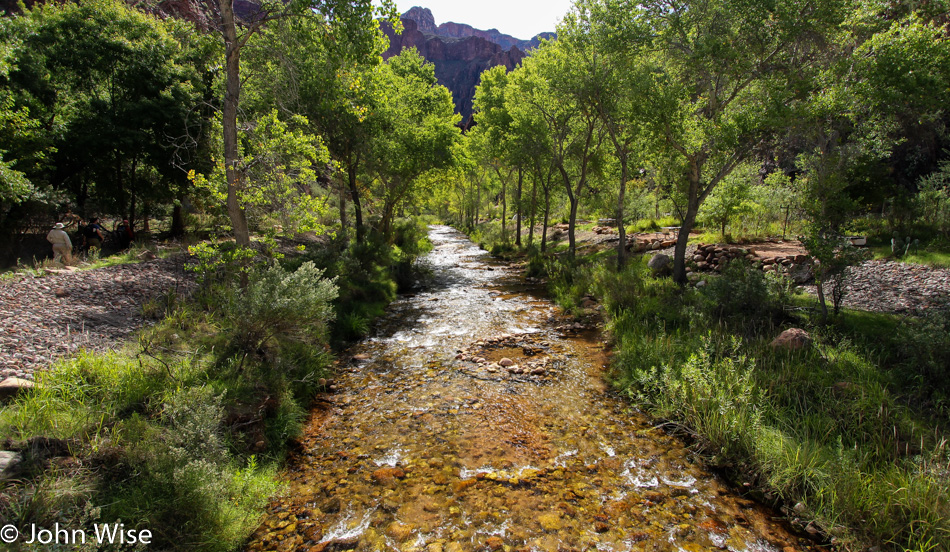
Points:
(475, 426)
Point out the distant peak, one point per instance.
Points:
(423, 18)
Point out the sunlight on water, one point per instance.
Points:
(467, 421)
(348, 528)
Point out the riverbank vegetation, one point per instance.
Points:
(845, 434)
(181, 433)
(634, 115)
(282, 124)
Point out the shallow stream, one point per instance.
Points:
(475, 419)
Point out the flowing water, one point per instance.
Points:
(475, 420)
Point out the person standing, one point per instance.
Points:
(62, 245)
(93, 234)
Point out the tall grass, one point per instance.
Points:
(181, 433)
(850, 430)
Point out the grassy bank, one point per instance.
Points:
(182, 432)
(847, 434)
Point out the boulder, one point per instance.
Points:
(506, 362)
(800, 273)
(660, 264)
(792, 339)
(11, 387)
(8, 462)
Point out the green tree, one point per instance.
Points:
(616, 77)
(877, 71)
(346, 21)
(297, 67)
(723, 72)
(417, 130)
(730, 199)
(555, 86)
(114, 88)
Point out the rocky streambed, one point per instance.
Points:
(477, 419)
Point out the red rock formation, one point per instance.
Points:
(423, 18)
(459, 62)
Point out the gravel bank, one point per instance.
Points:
(42, 319)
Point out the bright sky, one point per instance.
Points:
(519, 18)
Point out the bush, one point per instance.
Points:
(714, 393)
(744, 296)
(278, 306)
(923, 347)
(634, 297)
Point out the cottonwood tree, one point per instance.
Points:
(615, 93)
(351, 21)
(295, 67)
(723, 72)
(877, 72)
(112, 85)
(554, 85)
(417, 130)
(492, 136)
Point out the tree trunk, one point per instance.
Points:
(504, 214)
(547, 210)
(571, 226)
(692, 208)
(573, 199)
(518, 207)
(534, 197)
(120, 183)
(788, 212)
(478, 201)
(355, 197)
(131, 214)
(232, 52)
(820, 288)
(178, 221)
(343, 189)
(389, 213)
(622, 246)
(504, 208)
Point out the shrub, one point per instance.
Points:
(923, 346)
(744, 295)
(279, 306)
(714, 393)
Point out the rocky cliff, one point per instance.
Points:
(459, 52)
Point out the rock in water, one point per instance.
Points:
(660, 264)
(388, 475)
(792, 339)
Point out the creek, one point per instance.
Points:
(477, 418)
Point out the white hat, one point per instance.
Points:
(58, 225)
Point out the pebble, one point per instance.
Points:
(43, 319)
(900, 288)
